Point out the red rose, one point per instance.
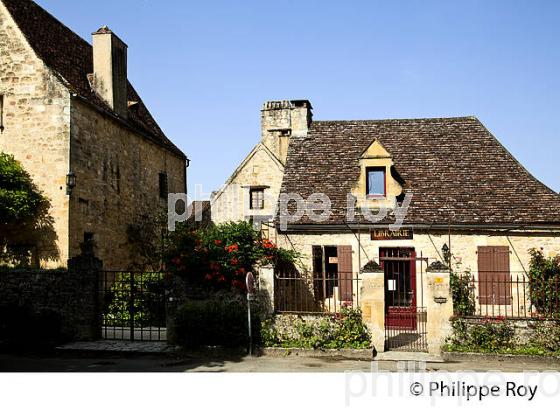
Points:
(217, 242)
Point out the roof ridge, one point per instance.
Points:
(466, 117)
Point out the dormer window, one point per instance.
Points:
(376, 185)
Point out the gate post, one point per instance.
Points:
(266, 288)
(439, 304)
(83, 285)
(372, 299)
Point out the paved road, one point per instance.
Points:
(95, 362)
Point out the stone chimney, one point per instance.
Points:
(283, 121)
(110, 70)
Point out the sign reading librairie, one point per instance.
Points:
(388, 234)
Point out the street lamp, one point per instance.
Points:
(70, 183)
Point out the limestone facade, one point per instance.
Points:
(263, 169)
(54, 132)
(117, 173)
(36, 118)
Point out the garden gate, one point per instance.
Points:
(405, 311)
(133, 305)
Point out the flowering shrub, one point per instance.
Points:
(220, 256)
(544, 283)
(462, 289)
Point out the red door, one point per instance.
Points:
(399, 265)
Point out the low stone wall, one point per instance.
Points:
(70, 295)
(284, 322)
(524, 328)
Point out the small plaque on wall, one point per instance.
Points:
(388, 234)
(333, 259)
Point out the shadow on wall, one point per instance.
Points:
(294, 292)
(27, 235)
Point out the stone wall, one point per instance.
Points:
(37, 129)
(281, 123)
(51, 134)
(232, 203)
(72, 295)
(117, 174)
(524, 328)
(464, 246)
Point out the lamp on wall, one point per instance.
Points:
(446, 254)
(70, 183)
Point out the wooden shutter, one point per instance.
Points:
(345, 273)
(494, 278)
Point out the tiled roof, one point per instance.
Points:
(456, 170)
(71, 58)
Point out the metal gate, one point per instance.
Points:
(133, 306)
(405, 312)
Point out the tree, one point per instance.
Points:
(24, 218)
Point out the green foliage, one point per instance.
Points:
(546, 336)
(220, 320)
(147, 305)
(498, 336)
(221, 255)
(24, 218)
(462, 289)
(544, 283)
(343, 331)
(486, 336)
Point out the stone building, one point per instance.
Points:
(251, 193)
(402, 193)
(71, 117)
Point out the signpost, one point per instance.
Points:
(250, 282)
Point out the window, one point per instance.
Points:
(375, 182)
(257, 198)
(163, 189)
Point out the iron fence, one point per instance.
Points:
(298, 294)
(507, 295)
(133, 305)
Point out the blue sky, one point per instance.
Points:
(204, 68)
